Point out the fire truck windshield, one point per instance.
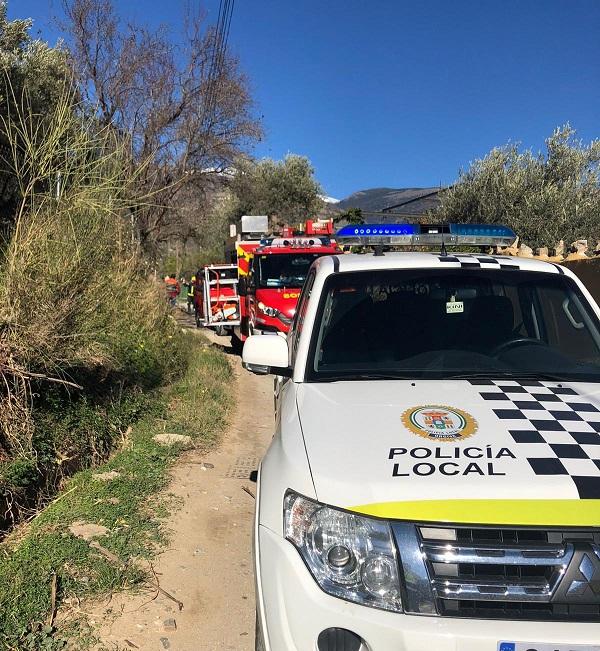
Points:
(283, 269)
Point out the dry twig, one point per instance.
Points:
(247, 490)
(157, 587)
(113, 558)
(52, 614)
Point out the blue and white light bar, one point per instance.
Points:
(426, 235)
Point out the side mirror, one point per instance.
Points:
(242, 286)
(265, 354)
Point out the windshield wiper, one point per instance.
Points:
(506, 375)
(440, 374)
(362, 376)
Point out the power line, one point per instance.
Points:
(221, 39)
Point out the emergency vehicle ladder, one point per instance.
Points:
(220, 296)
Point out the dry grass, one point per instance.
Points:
(72, 298)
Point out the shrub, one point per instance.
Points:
(543, 197)
(76, 310)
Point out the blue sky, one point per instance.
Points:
(401, 94)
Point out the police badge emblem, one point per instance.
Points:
(439, 423)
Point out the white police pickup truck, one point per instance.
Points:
(434, 479)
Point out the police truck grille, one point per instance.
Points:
(500, 573)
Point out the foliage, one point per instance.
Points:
(128, 506)
(285, 190)
(350, 216)
(30, 64)
(203, 232)
(70, 432)
(27, 66)
(188, 264)
(544, 197)
(74, 307)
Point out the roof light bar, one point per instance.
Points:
(426, 235)
(296, 242)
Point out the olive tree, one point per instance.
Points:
(545, 197)
(285, 190)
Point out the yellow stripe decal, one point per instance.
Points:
(572, 513)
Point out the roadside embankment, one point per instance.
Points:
(99, 533)
(84, 334)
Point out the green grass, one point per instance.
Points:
(129, 506)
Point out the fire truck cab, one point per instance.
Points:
(272, 271)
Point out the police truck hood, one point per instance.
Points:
(374, 444)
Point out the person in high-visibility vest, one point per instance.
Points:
(191, 287)
(172, 288)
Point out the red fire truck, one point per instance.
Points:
(271, 273)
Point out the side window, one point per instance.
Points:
(567, 325)
(301, 314)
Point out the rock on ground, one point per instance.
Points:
(172, 439)
(87, 530)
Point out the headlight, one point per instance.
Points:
(350, 556)
(269, 311)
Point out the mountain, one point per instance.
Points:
(405, 201)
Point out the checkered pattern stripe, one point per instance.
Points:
(556, 429)
(480, 261)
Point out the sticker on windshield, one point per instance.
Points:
(439, 423)
(455, 307)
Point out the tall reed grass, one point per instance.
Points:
(75, 307)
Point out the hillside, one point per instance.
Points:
(409, 200)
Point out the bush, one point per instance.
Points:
(544, 198)
(80, 325)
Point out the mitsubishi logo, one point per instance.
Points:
(580, 583)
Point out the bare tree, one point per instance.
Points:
(185, 107)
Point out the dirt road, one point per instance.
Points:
(208, 564)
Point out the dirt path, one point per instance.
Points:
(208, 565)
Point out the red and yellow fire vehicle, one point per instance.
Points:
(272, 271)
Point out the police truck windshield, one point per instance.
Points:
(283, 269)
(454, 324)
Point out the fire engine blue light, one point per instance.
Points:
(371, 230)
